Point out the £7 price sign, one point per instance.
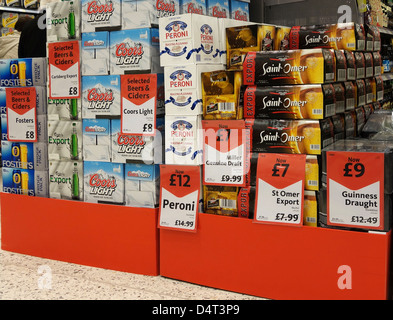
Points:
(280, 189)
(179, 197)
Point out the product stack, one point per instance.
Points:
(23, 107)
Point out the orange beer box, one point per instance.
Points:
(220, 95)
(249, 38)
(289, 136)
(340, 36)
(288, 102)
(312, 66)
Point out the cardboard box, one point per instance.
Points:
(103, 182)
(218, 9)
(312, 66)
(96, 140)
(26, 72)
(193, 6)
(350, 95)
(19, 155)
(98, 16)
(66, 180)
(240, 10)
(288, 102)
(25, 182)
(351, 65)
(64, 109)
(95, 53)
(189, 39)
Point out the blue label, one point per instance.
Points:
(17, 155)
(142, 172)
(18, 181)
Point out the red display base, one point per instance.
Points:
(278, 262)
(99, 235)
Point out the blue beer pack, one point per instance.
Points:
(95, 53)
(26, 72)
(25, 182)
(24, 155)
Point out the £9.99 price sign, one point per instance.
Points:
(355, 189)
(179, 197)
(280, 188)
(64, 70)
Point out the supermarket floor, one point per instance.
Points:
(25, 277)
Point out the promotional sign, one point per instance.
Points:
(224, 153)
(280, 189)
(21, 114)
(64, 70)
(355, 189)
(138, 104)
(179, 197)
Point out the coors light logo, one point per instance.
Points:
(98, 99)
(129, 54)
(101, 186)
(193, 8)
(99, 12)
(240, 15)
(219, 12)
(128, 144)
(165, 8)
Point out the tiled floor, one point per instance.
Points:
(30, 278)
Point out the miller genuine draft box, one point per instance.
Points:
(311, 66)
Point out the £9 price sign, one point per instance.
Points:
(138, 104)
(64, 70)
(179, 197)
(280, 189)
(355, 189)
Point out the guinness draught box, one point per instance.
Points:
(288, 102)
(289, 136)
(313, 66)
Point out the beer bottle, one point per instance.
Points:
(74, 143)
(75, 183)
(73, 105)
(71, 22)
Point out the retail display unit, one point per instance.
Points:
(218, 143)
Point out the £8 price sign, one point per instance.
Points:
(355, 189)
(280, 189)
(179, 197)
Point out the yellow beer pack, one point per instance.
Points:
(8, 19)
(220, 95)
(221, 200)
(310, 209)
(244, 39)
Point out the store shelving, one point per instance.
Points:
(19, 10)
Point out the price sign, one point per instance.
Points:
(280, 189)
(355, 189)
(21, 114)
(138, 104)
(180, 192)
(224, 153)
(64, 70)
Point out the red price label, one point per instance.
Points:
(355, 189)
(179, 197)
(21, 114)
(280, 189)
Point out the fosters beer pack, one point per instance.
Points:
(100, 14)
(189, 39)
(26, 72)
(134, 51)
(25, 181)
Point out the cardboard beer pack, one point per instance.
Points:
(240, 10)
(65, 140)
(103, 182)
(288, 102)
(183, 140)
(66, 180)
(246, 38)
(351, 65)
(134, 51)
(146, 13)
(377, 62)
(218, 9)
(8, 19)
(289, 136)
(220, 93)
(340, 36)
(100, 96)
(24, 72)
(350, 95)
(64, 109)
(24, 155)
(193, 6)
(137, 149)
(360, 65)
(183, 88)
(96, 140)
(25, 181)
(63, 20)
(95, 53)
(100, 15)
(142, 185)
(189, 39)
(339, 97)
(310, 66)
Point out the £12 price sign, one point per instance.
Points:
(179, 197)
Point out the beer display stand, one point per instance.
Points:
(278, 262)
(99, 235)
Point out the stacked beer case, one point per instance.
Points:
(24, 164)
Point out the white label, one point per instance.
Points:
(64, 83)
(138, 120)
(21, 127)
